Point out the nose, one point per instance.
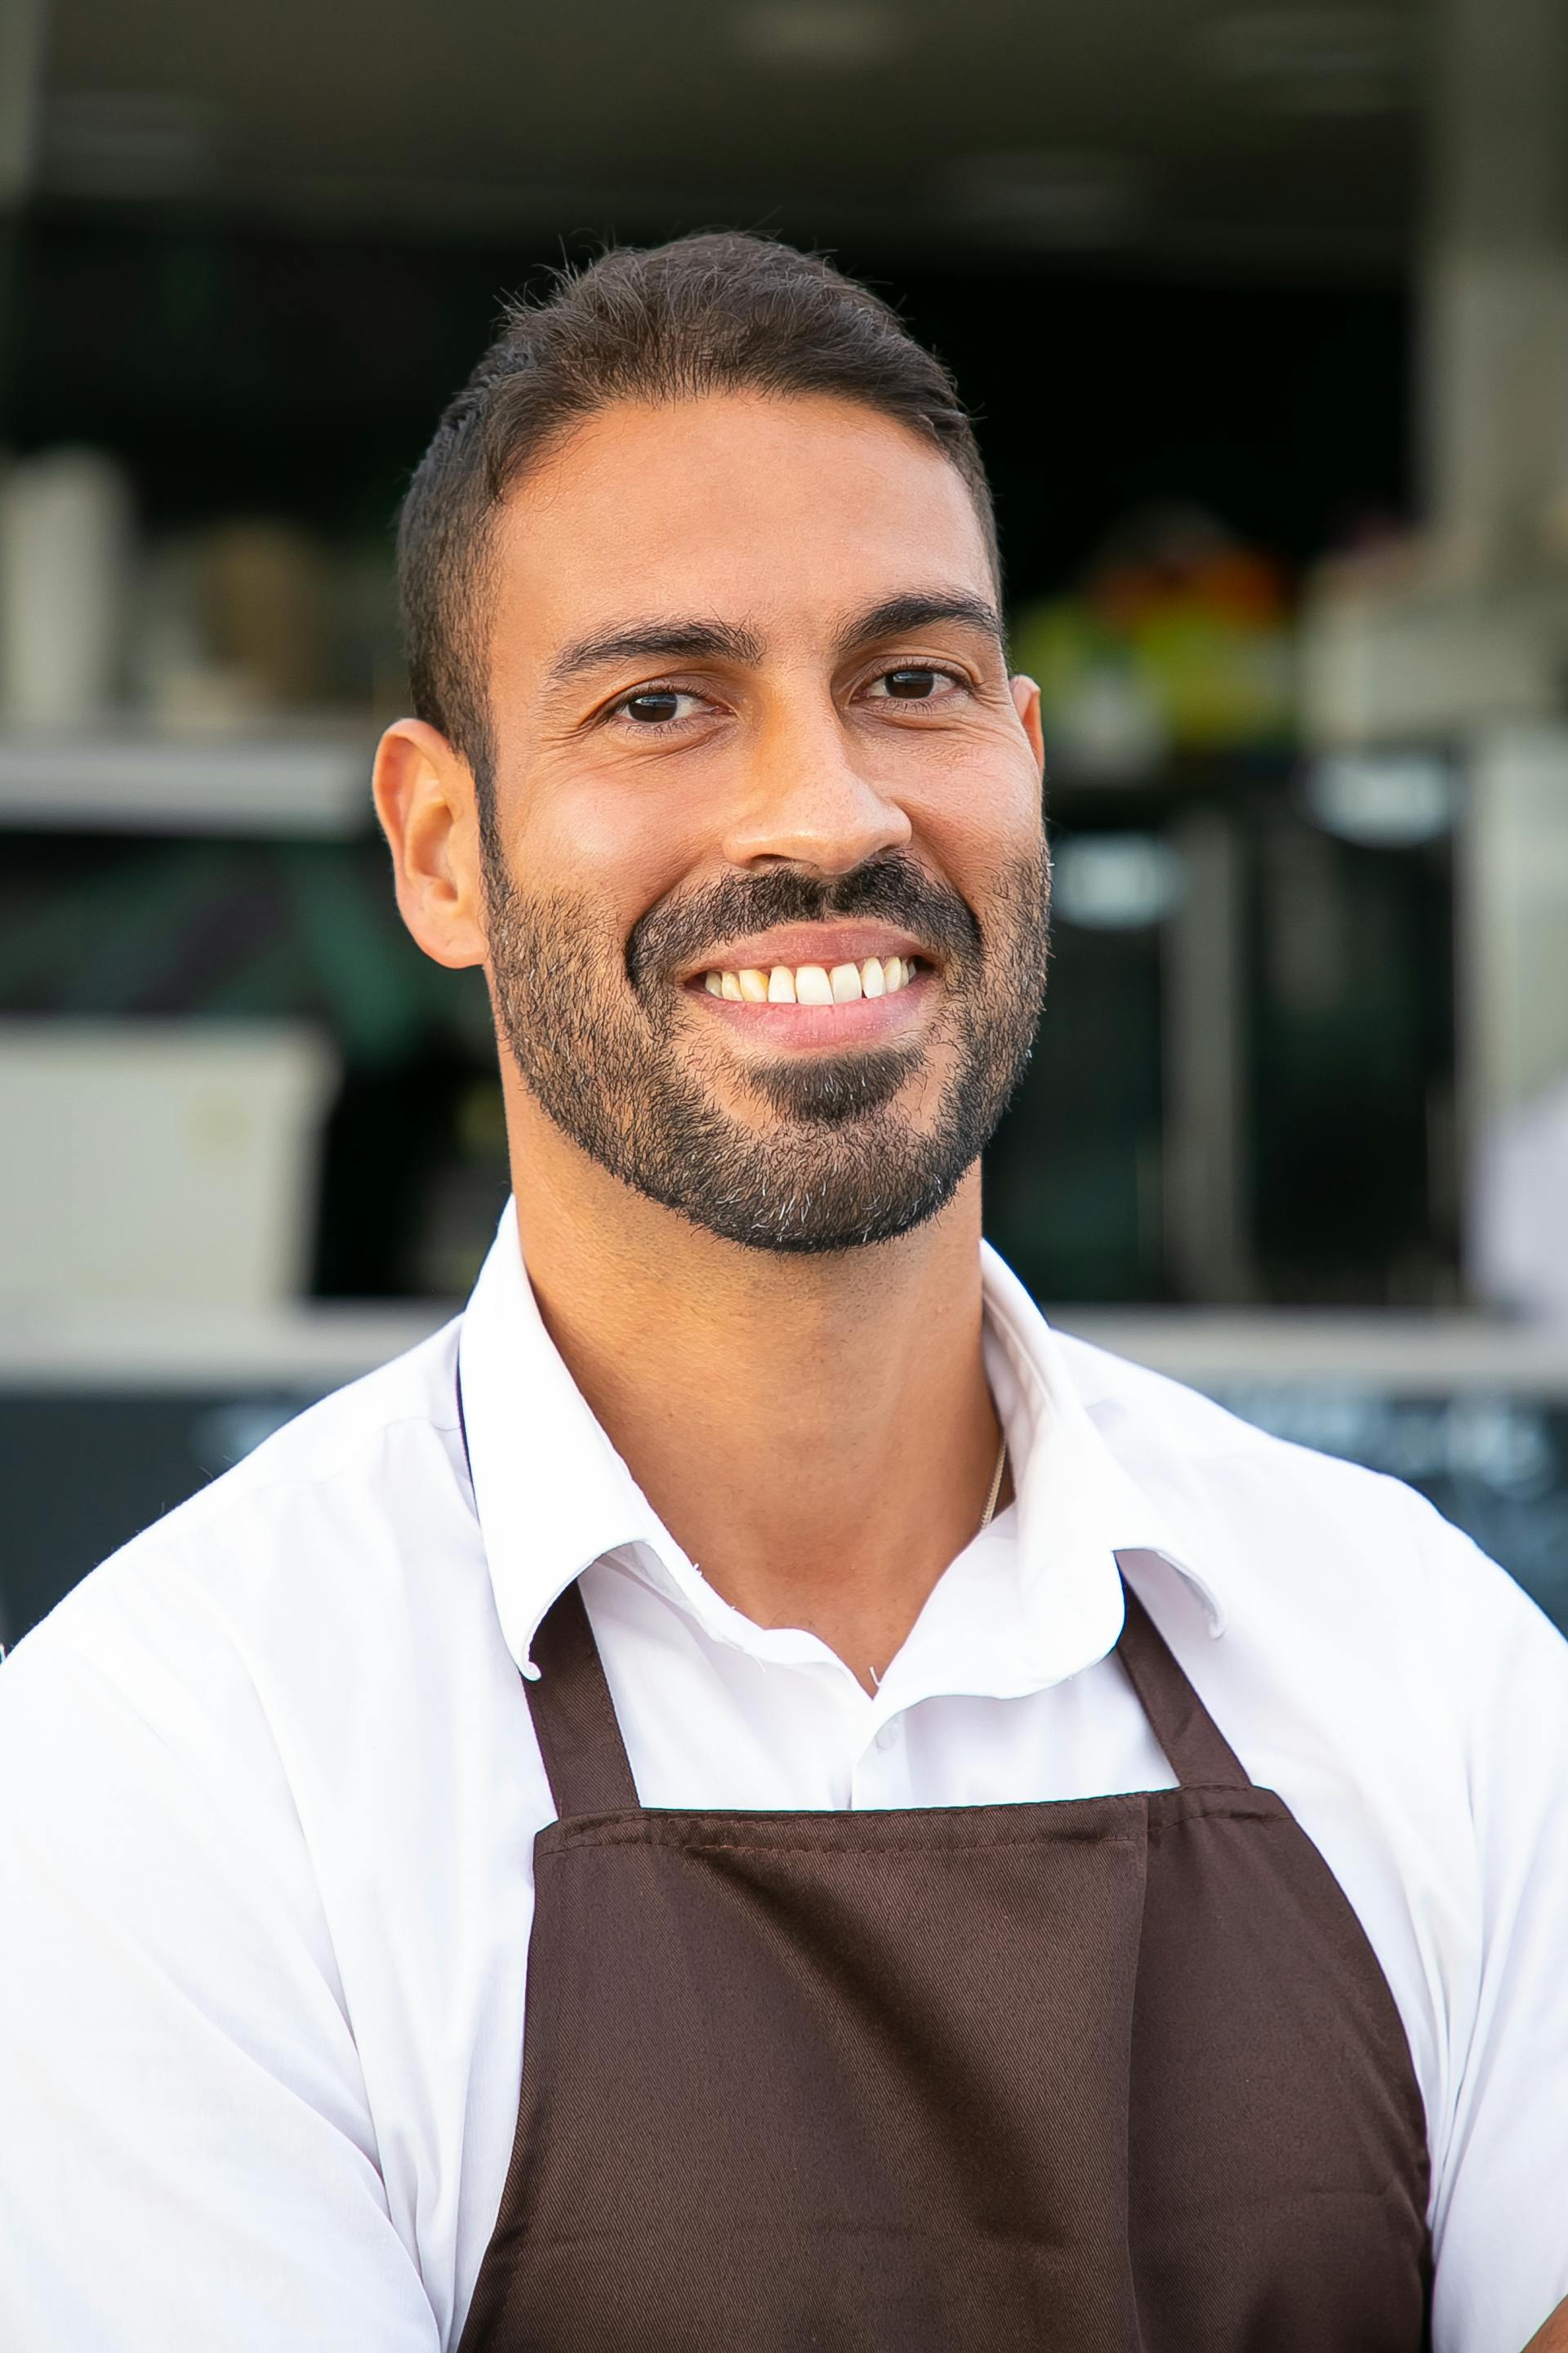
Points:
(806, 802)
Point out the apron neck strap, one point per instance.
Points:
(1195, 1748)
(574, 1716)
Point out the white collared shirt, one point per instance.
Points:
(268, 1793)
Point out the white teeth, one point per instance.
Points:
(812, 983)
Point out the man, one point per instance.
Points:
(747, 1794)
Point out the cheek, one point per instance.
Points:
(988, 816)
(581, 839)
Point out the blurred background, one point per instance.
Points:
(1264, 312)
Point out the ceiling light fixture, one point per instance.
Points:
(1314, 61)
(127, 143)
(1116, 882)
(1062, 199)
(821, 34)
(1384, 800)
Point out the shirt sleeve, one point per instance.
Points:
(1501, 2208)
(187, 2156)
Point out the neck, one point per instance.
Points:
(815, 1432)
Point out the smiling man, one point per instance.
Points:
(748, 1794)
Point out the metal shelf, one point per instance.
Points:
(74, 1348)
(1409, 1355)
(310, 781)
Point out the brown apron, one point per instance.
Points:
(1109, 2075)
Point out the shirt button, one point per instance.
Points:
(888, 1733)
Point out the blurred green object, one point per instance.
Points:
(1179, 640)
(114, 928)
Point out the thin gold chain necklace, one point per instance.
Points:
(995, 1486)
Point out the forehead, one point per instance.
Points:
(785, 513)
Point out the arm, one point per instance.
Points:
(1500, 2222)
(187, 2156)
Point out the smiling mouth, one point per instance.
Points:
(812, 983)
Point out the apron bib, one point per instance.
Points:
(1118, 2074)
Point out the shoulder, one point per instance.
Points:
(1363, 1629)
(1360, 1621)
(1264, 1510)
(232, 1610)
(404, 1411)
(1147, 1415)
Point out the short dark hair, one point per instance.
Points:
(720, 312)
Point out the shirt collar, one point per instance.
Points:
(552, 1496)
(551, 1493)
(1078, 1507)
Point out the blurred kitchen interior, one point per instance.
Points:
(1264, 311)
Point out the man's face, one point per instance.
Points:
(765, 879)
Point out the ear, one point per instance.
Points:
(424, 798)
(1027, 704)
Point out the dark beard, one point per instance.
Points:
(841, 1168)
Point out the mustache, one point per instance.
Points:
(892, 888)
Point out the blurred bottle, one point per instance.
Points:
(175, 676)
(66, 548)
(268, 609)
(237, 624)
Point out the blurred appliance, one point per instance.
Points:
(1458, 638)
(149, 1161)
(1243, 1091)
(1514, 988)
(1073, 1178)
(1465, 625)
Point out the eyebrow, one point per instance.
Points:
(658, 640)
(922, 610)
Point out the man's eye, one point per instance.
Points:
(913, 684)
(657, 706)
